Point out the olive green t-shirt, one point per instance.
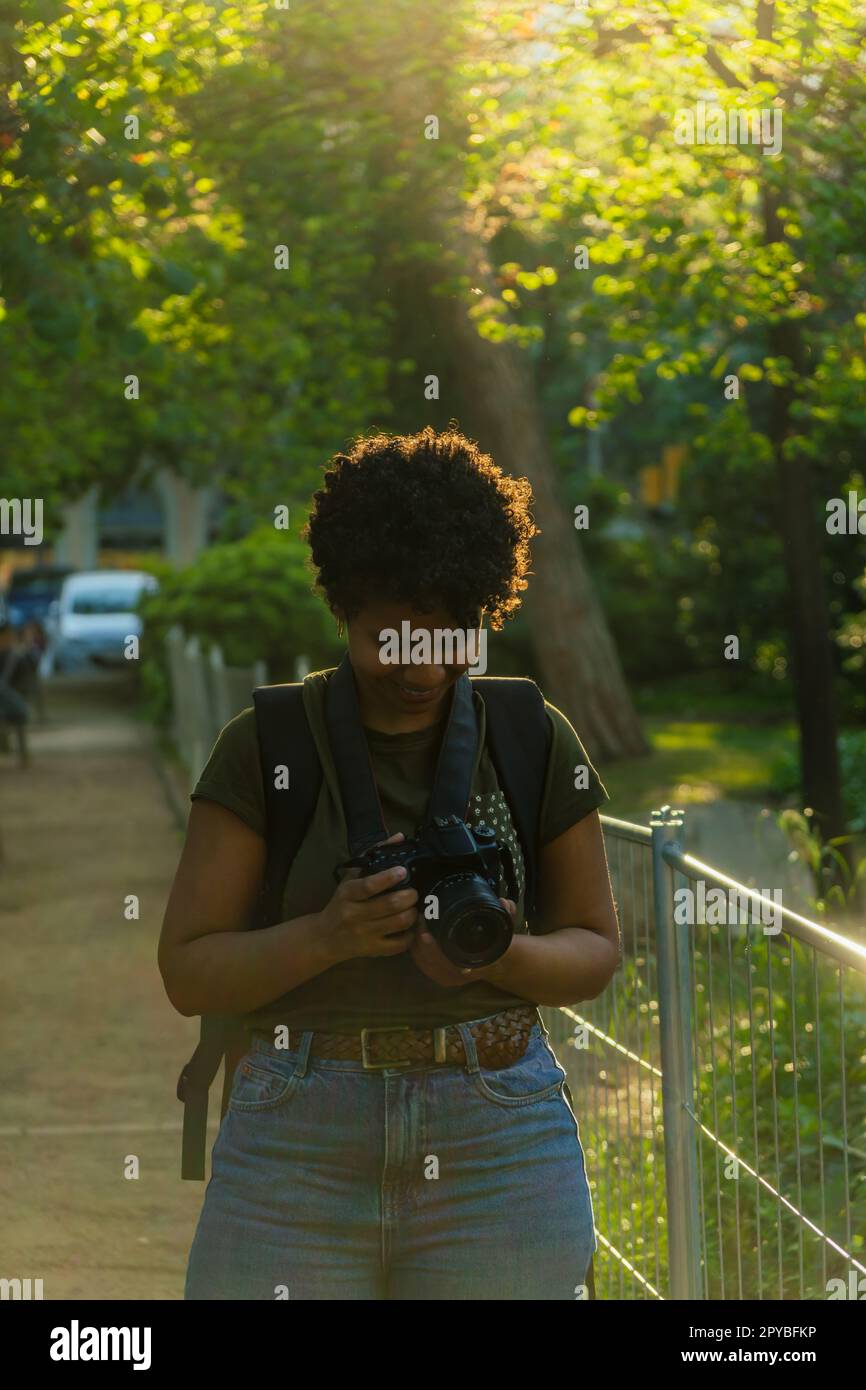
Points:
(388, 990)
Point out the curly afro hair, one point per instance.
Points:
(426, 519)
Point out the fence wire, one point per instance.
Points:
(721, 1090)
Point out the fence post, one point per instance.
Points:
(219, 689)
(175, 642)
(680, 1138)
(200, 706)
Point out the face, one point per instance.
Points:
(399, 697)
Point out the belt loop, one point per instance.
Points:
(472, 1063)
(304, 1053)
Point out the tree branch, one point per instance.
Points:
(609, 39)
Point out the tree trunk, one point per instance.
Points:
(808, 616)
(577, 659)
(576, 656)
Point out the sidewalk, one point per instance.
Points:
(91, 1046)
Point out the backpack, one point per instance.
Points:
(518, 740)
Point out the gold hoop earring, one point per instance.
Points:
(339, 627)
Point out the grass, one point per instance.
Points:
(700, 760)
(713, 736)
(711, 695)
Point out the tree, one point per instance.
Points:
(695, 256)
(493, 380)
(136, 244)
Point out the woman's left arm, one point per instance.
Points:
(577, 956)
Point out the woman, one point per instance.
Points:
(339, 1173)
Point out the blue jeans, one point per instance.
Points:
(423, 1182)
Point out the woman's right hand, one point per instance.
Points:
(371, 916)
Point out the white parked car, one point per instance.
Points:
(95, 614)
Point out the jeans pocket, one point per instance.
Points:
(534, 1077)
(262, 1083)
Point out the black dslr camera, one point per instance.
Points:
(462, 868)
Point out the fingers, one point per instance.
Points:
(391, 839)
(394, 945)
(357, 889)
(394, 905)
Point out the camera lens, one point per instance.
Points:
(478, 933)
(474, 928)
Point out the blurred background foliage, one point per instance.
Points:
(252, 598)
(260, 127)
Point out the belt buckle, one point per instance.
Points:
(378, 1066)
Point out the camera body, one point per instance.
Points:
(462, 867)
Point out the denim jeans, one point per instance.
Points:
(429, 1181)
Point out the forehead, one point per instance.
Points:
(390, 613)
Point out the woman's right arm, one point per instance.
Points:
(211, 963)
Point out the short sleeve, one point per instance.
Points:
(233, 775)
(573, 788)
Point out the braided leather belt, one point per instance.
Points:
(499, 1041)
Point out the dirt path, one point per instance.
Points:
(91, 1046)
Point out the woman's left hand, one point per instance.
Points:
(433, 962)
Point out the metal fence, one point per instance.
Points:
(720, 1088)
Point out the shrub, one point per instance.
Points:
(251, 597)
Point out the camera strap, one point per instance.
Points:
(518, 736)
(365, 822)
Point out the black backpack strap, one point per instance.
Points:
(519, 740)
(285, 740)
(217, 1033)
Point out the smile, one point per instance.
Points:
(418, 696)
